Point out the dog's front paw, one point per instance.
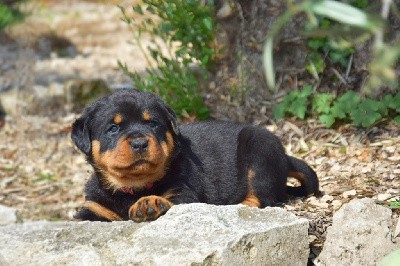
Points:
(149, 208)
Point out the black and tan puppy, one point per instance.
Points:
(144, 163)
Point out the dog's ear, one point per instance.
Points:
(80, 134)
(172, 119)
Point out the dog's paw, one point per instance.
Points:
(149, 208)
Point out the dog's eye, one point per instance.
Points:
(113, 129)
(153, 123)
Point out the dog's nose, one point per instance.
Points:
(139, 145)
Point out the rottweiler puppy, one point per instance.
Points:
(144, 162)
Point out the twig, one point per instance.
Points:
(349, 67)
(337, 74)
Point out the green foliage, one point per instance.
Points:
(349, 107)
(337, 52)
(181, 33)
(295, 103)
(9, 15)
(335, 27)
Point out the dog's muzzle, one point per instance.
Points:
(140, 145)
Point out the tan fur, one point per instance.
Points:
(146, 116)
(101, 211)
(251, 199)
(117, 119)
(118, 165)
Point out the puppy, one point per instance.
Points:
(144, 162)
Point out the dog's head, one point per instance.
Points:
(128, 137)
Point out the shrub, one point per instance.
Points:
(181, 33)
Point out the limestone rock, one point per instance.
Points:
(7, 215)
(359, 235)
(192, 234)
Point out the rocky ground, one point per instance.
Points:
(42, 174)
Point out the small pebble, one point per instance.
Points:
(349, 193)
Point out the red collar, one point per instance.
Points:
(131, 191)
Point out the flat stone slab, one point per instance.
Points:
(191, 234)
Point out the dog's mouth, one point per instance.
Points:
(136, 164)
(140, 162)
(126, 167)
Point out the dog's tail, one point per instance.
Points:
(305, 175)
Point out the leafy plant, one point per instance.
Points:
(9, 15)
(326, 46)
(353, 21)
(294, 103)
(181, 33)
(349, 107)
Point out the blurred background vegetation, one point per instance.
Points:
(193, 54)
(9, 13)
(332, 31)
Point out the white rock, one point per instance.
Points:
(7, 215)
(326, 198)
(359, 235)
(349, 193)
(336, 204)
(397, 230)
(191, 234)
(383, 197)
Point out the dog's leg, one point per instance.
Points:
(262, 162)
(94, 211)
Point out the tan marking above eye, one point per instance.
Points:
(146, 115)
(117, 119)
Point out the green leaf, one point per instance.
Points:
(322, 103)
(138, 9)
(298, 102)
(306, 91)
(208, 23)
(337, 110)
(395, 103)
(343, 150)
(299, 108)
(279, 110)
(359, 3)
(327, 120)
(387, 100)
(165, 27)
(343, 13)
(382, 108)
(340, 56)
(397, 119)
(347, 102)
(366, 113)
(315, 60)
(316, 43)
(151, 9)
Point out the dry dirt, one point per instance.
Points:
(42, 175)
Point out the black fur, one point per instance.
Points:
(210, 161)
